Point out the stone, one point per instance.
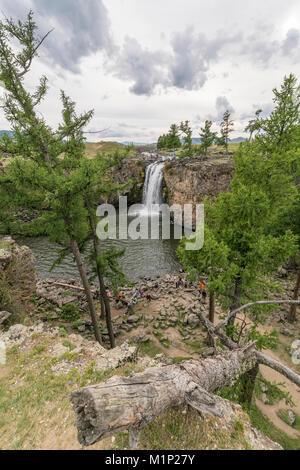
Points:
(208, 352)
(116, 357)
(59, 350)
(282, 272)
(264, 399)
(133, 319)
(139, 339)
(193, 320)
(291, 417)
(285, 332)
(18, 264)
(4, 316)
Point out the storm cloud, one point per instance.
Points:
(146, 69)
(185, 67)
(81, 28)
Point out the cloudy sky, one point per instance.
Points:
(143, 65)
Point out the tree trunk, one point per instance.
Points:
(104, 300)
(132, 402)
(236, 303)
(211, 316)
(89, 297)
(292, 312)
(248, 381)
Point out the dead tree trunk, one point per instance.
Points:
(292, 312)
(85, 282)
(132, 402)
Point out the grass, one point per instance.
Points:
(32, 395)
(149, 349)
(4, 245)
(260, 421)
(92, 148)
(283, 414)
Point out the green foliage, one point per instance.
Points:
(207, 137)
(283, 414)
(273, 391)
(247, 231)
(260, 421)
(170, 140)
(281, 128)
(186, 131)
(226, 129)
(70, 312)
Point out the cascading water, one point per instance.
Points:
(153, 186)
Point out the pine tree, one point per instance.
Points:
(247, 236)
(226, 129)
(255, 124)
(281, 128)
(173, 138)
(207, 137)
(186, 130)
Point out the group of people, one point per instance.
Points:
(181, 282)
(130, 303)
(184, 283)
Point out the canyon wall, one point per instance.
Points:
(189, 181)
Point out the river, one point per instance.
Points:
(142, 258)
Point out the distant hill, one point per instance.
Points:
(138, 144)
(237, 140)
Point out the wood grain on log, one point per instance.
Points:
(132, 402)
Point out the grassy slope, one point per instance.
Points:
(36, 412)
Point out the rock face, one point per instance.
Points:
(189, 181)
(131, 171)
(17, 274)
(116, 357)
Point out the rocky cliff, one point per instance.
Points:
(17, 274)
(131, 172)
(186, 181)
(189, 181)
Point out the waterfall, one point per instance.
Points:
(153, 185)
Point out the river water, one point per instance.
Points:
(143, 258)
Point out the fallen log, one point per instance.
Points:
(132, 402)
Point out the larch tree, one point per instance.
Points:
(207, 136)
(186, 131)
(226, 129)
(47, 166)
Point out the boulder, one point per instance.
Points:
(133, 319)
(4, 316)
(17, 271)
(291, 417)
(116, 357)
(192, 320)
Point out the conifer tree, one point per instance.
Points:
(47, 166)
(226, 129)
(186, 130)
(207, 137)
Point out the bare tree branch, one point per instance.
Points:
(29, 61)
(261, 302)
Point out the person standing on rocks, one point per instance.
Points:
(202, 291)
